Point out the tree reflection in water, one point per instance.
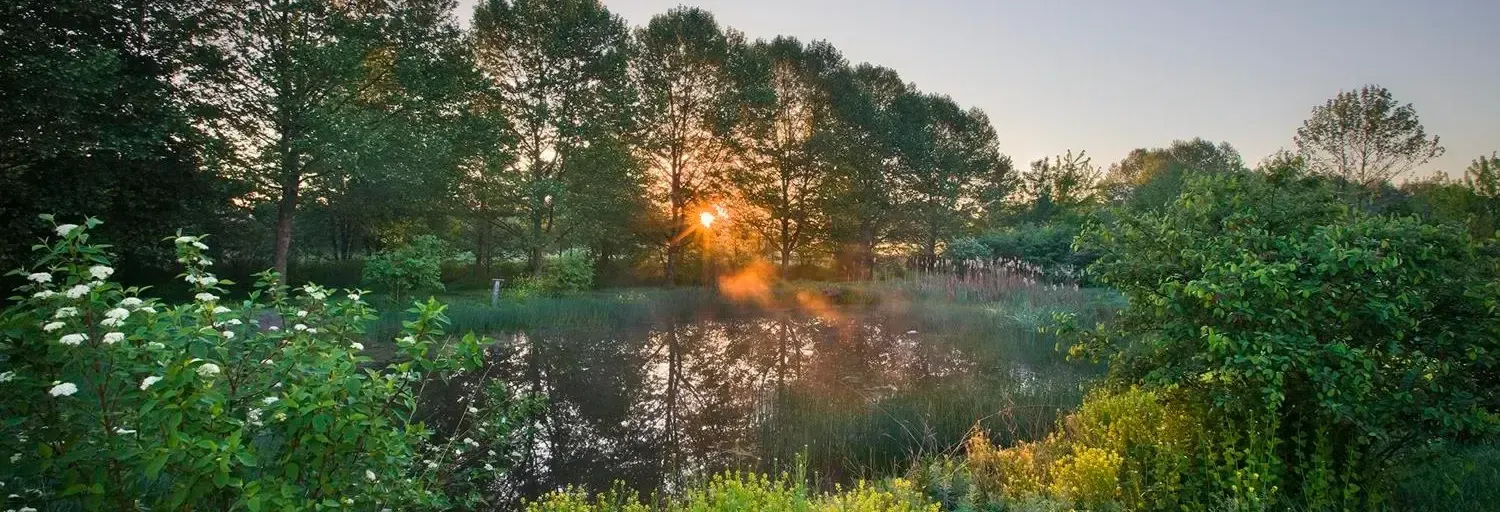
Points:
(858, 393)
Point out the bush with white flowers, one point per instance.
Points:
(110, 400)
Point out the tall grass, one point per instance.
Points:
(1450, 478)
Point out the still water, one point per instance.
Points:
(653, 400)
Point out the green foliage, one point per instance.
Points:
(684, 75)
(1365, 138)
(1048, 246)
(1061, 184)
(93, 118)
(750, 492)
(1451, 477)
(964, 249)
(558, 70)
(116, 401)
(1323, 342)
(569, 272)
(410, 269)
(1152, 178)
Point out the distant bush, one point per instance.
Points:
(569, 272)
(1049, 246)
(964, 249)
(410, 269)
(116, 401)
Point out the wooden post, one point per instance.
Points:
(495, 292)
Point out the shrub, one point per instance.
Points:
(1322, 343)
(1049, 246)
(413, 268)
(1089, 477)
(572, 271)
(960, 250)
(115, 401)
(1013, 473)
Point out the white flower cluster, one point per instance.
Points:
(40, 277)
(148, 381)
(101, 272)
(64, 229)
(115, 317)
(62, 389)
(77, 291)
(209, 370)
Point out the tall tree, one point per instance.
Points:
(1061, 183)
(1149, 178)
(561, 70)
(1483, 178)
(778, 172)
(418, 127)
(311, 85)
(1365, 138)
(686, 84)
(856, 141)
(95, 120)
(947, 155)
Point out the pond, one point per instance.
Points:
(651, 392)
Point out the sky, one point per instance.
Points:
(1108, 76)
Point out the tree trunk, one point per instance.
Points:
(286, 209)
(866, 262)
(671, 266)
(481, 246)
(534, 255)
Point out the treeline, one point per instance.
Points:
(304, 130)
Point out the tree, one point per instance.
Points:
(856, 142)
(1365, 138)
(1483, 178)
(778, 172)
(683, 71)
(560, 67)
(946, 155)
(1327, 340)
(1062, 183)
(310, 87)
(95, 118)
(1150, 178)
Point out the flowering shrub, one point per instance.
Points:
(1088, 477)
(115, 401)
(1015, 472)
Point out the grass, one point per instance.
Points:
(1452, 478)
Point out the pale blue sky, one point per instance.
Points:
(1108, 76)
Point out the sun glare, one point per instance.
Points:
(707, 219)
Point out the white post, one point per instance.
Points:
(495, 292)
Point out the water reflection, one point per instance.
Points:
(856, 393)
